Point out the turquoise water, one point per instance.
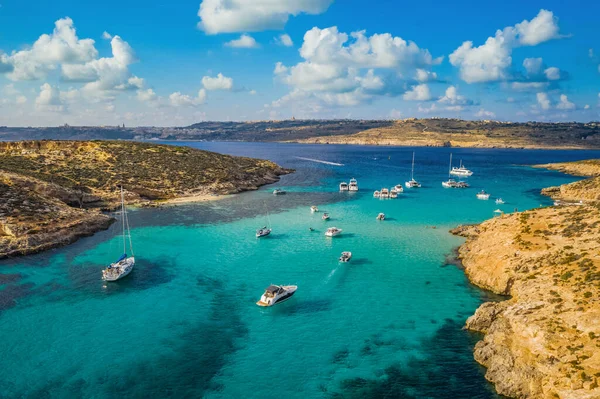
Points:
(185, 323)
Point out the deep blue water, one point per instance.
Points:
(185, 323)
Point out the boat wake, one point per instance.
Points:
(320, 161)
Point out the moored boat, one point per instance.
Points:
(376, 194)
(412, 183)
(399, 188)
(333, 231)
(353, 185)
(381, 216)
(393, 193)
(461, 171)
(346, 256)
(314, 208)
(384, 193)
(278, 191)
(499, 201)
(482, 195)
(343, 186)
(275, 294)
(263, 232)
(124, 265)
(325, 216)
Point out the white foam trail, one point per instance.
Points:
(330, 275)
(319, 161)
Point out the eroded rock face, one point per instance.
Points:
(543, 342)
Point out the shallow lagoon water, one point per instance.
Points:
(185, 323)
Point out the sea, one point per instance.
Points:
(185, 324)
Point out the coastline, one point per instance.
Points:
(541, 341)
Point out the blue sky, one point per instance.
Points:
(175, 63)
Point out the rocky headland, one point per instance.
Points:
(544, 340)
(54, 192)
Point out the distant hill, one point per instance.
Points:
(408, 132)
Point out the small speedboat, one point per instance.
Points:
(353, 185)
(399, 188)
(346, 256)
(384, 193)
(263, 232)
(278, 191)
(393, 193)
(275, 294)
(314, 209)
(333, 231)
(381, 216)
(325, 216)
(482, 195)
(377, 194)
(343, 186)
(499, 201)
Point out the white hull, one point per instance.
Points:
(118, 270)
(271, 299)
(333, 233)
(353, 188)
(483, 196)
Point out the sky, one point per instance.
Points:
(174, 63)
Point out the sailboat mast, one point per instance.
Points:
(123, 219)
(412, 172)
(450, 167)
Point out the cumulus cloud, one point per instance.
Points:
(218, 83)
(482, 113)
(341, 69)
(418, 93)
(62, 46)
(231, 16)
(528, 86)
(106, 35)
(565, 104)
(49, 99)
(452, 98)
(543, 100)
(178, 99)
(147, 95)
(285, 40)
(423, 75)
(245, 41)
(491, 61)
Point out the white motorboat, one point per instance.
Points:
(333, 231)
(353, 185)
(275, 294)
(278, 191)
(377, 194)
(461, 171)
(499, 201)
(393, 193)
(482, 195)
(381, 216)
(314, 209)
(384, 193)
(343, 186)
(325, 216)
(450, 183)
(124, 265)
(412, 183)
(263, 232)
(346, 256)
(399, 188)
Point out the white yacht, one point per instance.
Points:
(325, 216)
(461, 171)
(384, 193)
(278, 191)
(343, 186)
(333, 231)
(499, 201)
(393, 193)
(263, 232)
(450, 183)
(412, 183)
(346, 256)
(314, 209)
(353, 185)
(275, 294)
(381, 216)
(482, 195)
(376, 194)
(124, 265)
(399, 188)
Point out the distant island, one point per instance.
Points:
(543, 341)
(54, 192)
(435, 132)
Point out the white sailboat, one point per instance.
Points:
(124, 265)
(412, 183)
(265, 231)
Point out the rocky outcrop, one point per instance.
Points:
(542, 342)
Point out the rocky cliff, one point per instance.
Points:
(543, 342)
(52, 192)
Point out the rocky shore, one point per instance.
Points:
(53, 192)
(544, 340)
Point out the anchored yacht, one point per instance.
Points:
(381, 216)
(393, 193)
(399, 188)
(346, 256)
(343, 186)
(333, 231)
(353, 185)
(325, 216)
(124, 265)
(461, 171)
(412, 183)
(263, 232)
(499, 201)
(314, 209)
(377, 194)
(278, 191)
(275, 294)
(482, 195)
(384, 193)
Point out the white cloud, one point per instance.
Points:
(62, 46)
(245, 41)
(395, 114)
(482, 113)
(564, 103)
(452, 98)
(543, 100)
(21, 100)
(285, 40)
(183, 100)
(423, 75)
(552, 73)
(106, 35)
(147, 95)
(491, 61)
(533, 66)
(219, 83)
(231, 16)
(49, 99)
(586, 106)
(418, 93)
(527, 86)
